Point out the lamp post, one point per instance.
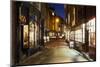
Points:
(53, 14)
(57, 25)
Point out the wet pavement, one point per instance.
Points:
(56, 51)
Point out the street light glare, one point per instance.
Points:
(57, 19)
(53, 13)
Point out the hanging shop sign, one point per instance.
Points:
(22, 19)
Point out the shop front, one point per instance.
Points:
(31, 36)
(91, 27)
(29, 29)
(84, 38)
(77, 36)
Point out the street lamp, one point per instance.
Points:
(57, 20)
(53, 20)
(53, 13)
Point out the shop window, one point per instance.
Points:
(25, 33)
(78, 35)
(83, 33)
(32, 34)
(72, 35)
(92, 32)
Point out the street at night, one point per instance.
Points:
(49, 33)
(55, 52)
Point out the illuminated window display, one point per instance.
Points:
(67, 34)
(78, 35)
(29, 27)
(25, 34)
(72, 35)
(31, 35)
(92, 32)
(83, 31)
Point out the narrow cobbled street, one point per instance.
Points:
(56, 51)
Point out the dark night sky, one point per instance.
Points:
(59, 9)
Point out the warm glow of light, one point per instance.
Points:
(57, 19)
(22, 18)
(53, 13)
(25, 33)
(26, 28)
(46, 38)
(83, 33)
(91, 25)
(78, 35)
